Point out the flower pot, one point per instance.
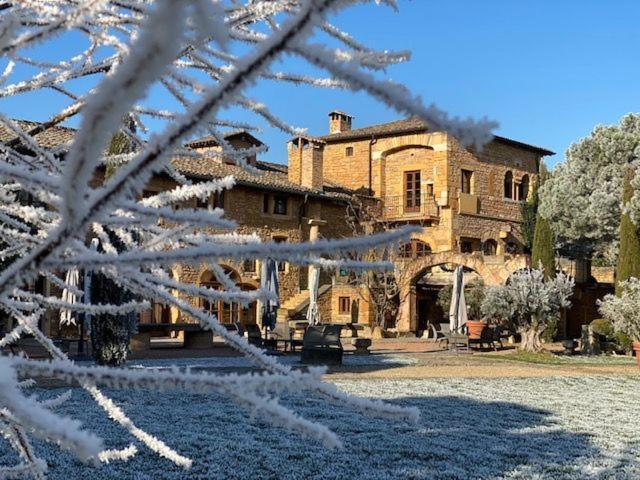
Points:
(636, 349)
(475, 328)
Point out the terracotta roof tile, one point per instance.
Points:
(52, 138)
(271, 176)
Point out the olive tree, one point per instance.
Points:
(530, 302)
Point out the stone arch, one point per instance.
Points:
(493, 271)
(408, 146)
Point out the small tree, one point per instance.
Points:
(622, 309)
(529, 301)
(629, 258)
(377, 287)
(474, 294)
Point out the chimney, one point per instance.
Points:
(305, 162)
(339, 122)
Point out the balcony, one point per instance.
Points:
(395, 208)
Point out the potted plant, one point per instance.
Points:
(622, 312)
(474, 296)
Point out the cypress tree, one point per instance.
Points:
(629, 257)
(543, 248)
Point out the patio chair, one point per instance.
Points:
(254, 335)
(442, 332)
(282, 333)
(321, 344)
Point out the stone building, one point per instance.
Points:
(466, 203)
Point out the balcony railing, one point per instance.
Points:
(395, 208)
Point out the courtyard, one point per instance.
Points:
(483, 415)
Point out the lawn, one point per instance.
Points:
(549, 358)
(551, 427)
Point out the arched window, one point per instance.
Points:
(523, 188)
(508, 185)
(490, 247)
(421, 248)
(414, 249)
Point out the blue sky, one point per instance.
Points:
(546, 70)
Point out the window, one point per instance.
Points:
(344, 305)
(415, 249)
(349, 152)
(508, 185)
(202, 202)
(281, 265)
(467, 181)
(421, 249)
(412, 191)
(279, 205)
(429, 189)
(218, 200)
(469, 245)
(489, 247)
(265, 203)
(249, 265)
(523, 188)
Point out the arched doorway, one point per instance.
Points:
(429, 285)
(410, 273)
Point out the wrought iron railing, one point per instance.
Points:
(395, 207)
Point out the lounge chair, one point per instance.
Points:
(321, 344)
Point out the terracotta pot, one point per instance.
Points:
(475, 328)
(636, 349)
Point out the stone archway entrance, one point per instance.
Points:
(493, 270)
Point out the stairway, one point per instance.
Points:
(297, 304)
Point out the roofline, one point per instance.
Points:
(327, 139)
(543, 151)
(199, 142)
(269, 188)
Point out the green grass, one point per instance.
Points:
(548, 358)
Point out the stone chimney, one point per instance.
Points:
(305, 162)
(339, 122)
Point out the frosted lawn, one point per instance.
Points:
(554, 427)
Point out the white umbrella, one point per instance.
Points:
(269, 283)
(458, 309)
(69, 296)
(312, 312)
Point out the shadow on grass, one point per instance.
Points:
(457, 438)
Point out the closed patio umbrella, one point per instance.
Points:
(312, 312)
(458, 309)
(69, 296)
(269, 283)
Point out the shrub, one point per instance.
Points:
(622, 310)
(473, 294)
(602, 326)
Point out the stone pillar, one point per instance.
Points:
(406, 320)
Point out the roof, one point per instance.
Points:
(270, 176)
(414, 125)
(210, 141)
(53, 137)
(340, 112)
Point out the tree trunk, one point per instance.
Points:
(532, 337)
